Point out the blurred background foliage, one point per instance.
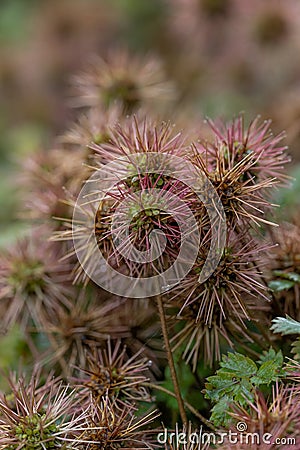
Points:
(223, 56)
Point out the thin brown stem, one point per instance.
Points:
(187, 404)
(171, 360)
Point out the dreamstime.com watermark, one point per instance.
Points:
(203, 438)
(105, 183)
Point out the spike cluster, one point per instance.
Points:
(104, 348)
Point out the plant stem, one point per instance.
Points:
(170, 359)
(188, 405)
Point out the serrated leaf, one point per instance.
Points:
(218, 386)
(293, 276)
(285, 325)
(240, 365)
(238, 379)
(268, 372)
(281, 285)
(244, 392)
(271, 355)
(296, 348)
(219, 413)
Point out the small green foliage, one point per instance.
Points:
(285, 325)
(285, 281)
(238, 379)
(269, 371)
(296, 349)
(271, 355)
(292, 276)
(281, 285)
(238, 364)
(219, 413)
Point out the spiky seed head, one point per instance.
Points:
(88, 322)
(120, 77)
(34, 282)
(112, 428)
(37, 415)
(110, 372)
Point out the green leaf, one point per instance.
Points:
(281, 285)
(219, 385)
(271, 355)
(219, 412)
(285, 325)
(267, 373)
(238, 364)
(238, 379)
(296, 348)
(292, 276)
(243, 392)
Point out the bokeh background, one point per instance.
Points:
(222, 56)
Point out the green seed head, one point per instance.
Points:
(29, 275)
(141, 211)
(32, 430)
